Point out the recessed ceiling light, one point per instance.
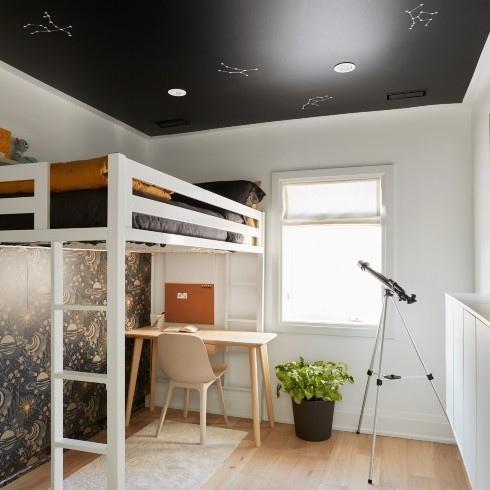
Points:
(344, 67)
(177, 92)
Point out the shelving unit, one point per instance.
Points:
(242, 310)
(247, 316)
(237, 323)
(245, 284)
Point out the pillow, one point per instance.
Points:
(152, 191)
(17, 188)
(242, 191)
(81, 175)
(76, 175)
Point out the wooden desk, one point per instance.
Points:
(253, 341)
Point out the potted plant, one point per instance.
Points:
(314, 388)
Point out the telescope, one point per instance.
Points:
(388, 284)
(390, 289)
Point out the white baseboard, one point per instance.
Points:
(408, 425)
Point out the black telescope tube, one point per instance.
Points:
(388, 283)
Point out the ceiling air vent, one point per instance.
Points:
(171, 123)
(407, 94)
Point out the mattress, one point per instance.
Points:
(88, 209)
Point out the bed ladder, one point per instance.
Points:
(58, 374)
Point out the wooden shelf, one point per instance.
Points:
(6, 161)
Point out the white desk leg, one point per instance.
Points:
(252, 355)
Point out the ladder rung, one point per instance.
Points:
(81, 376)
(81, 307)
(85, 446)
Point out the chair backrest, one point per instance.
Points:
(183, 358)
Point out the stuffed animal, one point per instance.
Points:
(20, 146)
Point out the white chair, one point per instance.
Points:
(184, 359)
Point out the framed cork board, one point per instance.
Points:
(189, 303)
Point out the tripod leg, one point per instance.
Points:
(371, 365)
(429, 375)
(379, 383)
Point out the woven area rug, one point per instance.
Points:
(175, 460)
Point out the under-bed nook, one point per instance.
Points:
(118, 206)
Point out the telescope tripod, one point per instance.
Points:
(379, 344)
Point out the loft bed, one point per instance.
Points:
(131, 220)
(151, 214)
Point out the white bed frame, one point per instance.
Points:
(121, 204)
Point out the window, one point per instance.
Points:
(329, 220)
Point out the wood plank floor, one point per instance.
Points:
(286, 462)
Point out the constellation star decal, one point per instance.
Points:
(236, 71)
(316, 101)
(51, 27)
(421, 16)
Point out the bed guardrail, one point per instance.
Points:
(39, 203)
(136, 204)
(122, 203)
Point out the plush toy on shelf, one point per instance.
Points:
(21, 146)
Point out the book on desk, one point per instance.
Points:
(181, 328)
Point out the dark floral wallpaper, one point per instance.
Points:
(24, 348)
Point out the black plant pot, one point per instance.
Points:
(313, 419)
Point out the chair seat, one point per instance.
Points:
(219, 369)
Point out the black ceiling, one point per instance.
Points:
(122, 60)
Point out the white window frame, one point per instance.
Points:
(279, 179)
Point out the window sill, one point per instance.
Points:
(341, 330)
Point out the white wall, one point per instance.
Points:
(431, 152)
(481, 155)
(57, 127)
(478, 97)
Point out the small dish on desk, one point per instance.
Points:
(185, 329)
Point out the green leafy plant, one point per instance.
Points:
(320, 380)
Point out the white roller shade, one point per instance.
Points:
(345, 201)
